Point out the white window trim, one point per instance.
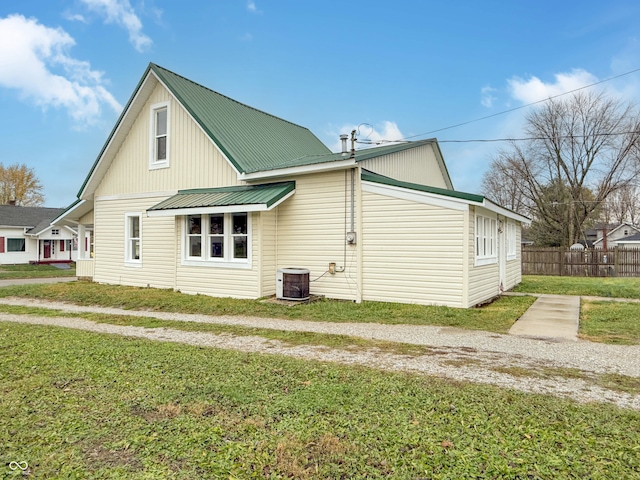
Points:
(511, 241)
(485, 245)
(153, 163)
(128, 261)
(206, 260)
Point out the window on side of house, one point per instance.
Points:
(486, 240)
(55, 231)
(133, 239)
(217, 239)
(159, 133)
(16, 245)
(511, 241)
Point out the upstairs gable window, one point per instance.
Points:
(159, 145)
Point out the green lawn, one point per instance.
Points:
(78, 405)
(610, 322)
(601, 287)
(34, 271)
(497, 317)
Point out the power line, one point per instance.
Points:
(523, 139)
(512, 109)
(526, 139)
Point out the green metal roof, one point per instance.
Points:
(374, 177)
(260, 195)
(252, 140)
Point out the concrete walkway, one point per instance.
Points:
(551, 317)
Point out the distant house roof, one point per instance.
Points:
(630, 238)
(33, 218)
(611, 228)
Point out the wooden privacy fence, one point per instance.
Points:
(595, 262)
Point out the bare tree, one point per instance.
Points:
(623, 206)
(588, 146)
(19, 184)
(503, 187)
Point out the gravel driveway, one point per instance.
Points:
(507, 361)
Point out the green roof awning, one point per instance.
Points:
(243, 198)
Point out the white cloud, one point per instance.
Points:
(121, 13)
(74, 17)
(385, 133)
(487, 98)
(251, 6)
(30, 51)
(534, 89)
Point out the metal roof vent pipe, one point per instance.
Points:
(343, 139)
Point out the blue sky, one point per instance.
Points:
(404, 69)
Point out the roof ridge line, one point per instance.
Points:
(227, 97)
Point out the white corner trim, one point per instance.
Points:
(415, 196)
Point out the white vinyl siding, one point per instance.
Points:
(224, 281)
(514, 265)
(412, 252)
(484, 280)
(311, 233)
(416, 165)
(195, 161)
(157, 249)
(267, 257)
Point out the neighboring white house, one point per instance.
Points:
(614, 234)
(27, 236)
(632, 241)
(199, 193)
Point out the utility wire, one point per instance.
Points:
(502, 113)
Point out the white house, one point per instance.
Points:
(27, 236)
(199, 193)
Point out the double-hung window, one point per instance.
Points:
(486, 240)
(159, 146)
(221, 238)
(133, 239)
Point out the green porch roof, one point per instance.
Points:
(376, 178)
(259, 197)
(251, 139)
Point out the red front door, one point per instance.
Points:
(47, 249)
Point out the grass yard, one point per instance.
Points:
(34, 271)
(594, 286)
(496, 317)
(81, 405)
(610, 322)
